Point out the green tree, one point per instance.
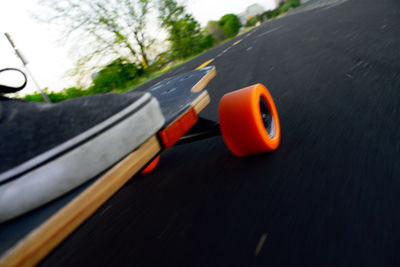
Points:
(185, 35)
(103, 27)
(230, 24)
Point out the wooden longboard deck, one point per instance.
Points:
(173, 99)
(26, 240)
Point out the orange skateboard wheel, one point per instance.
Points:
(151, 166)
(249, 121)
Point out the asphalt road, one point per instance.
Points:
(329, 196)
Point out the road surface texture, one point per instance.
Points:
(329, 196)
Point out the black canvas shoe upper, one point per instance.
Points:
(28, 129)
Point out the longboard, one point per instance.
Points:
(248, 123)
(26, 240)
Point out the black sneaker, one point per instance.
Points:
(47, 150)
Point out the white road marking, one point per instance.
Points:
(329, 6)
(223, 52)
(267, 32)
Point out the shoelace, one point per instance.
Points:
(4, 89)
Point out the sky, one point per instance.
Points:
(49, 60)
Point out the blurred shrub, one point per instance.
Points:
(230, 24)
(116, 75)
(206, 42)
(288, 5)
(35, 97)
(58, 96)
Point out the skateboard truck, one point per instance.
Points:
(203, 129)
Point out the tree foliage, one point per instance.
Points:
(185, 35)
(104, 27)
(116, 31)
(230, 24)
